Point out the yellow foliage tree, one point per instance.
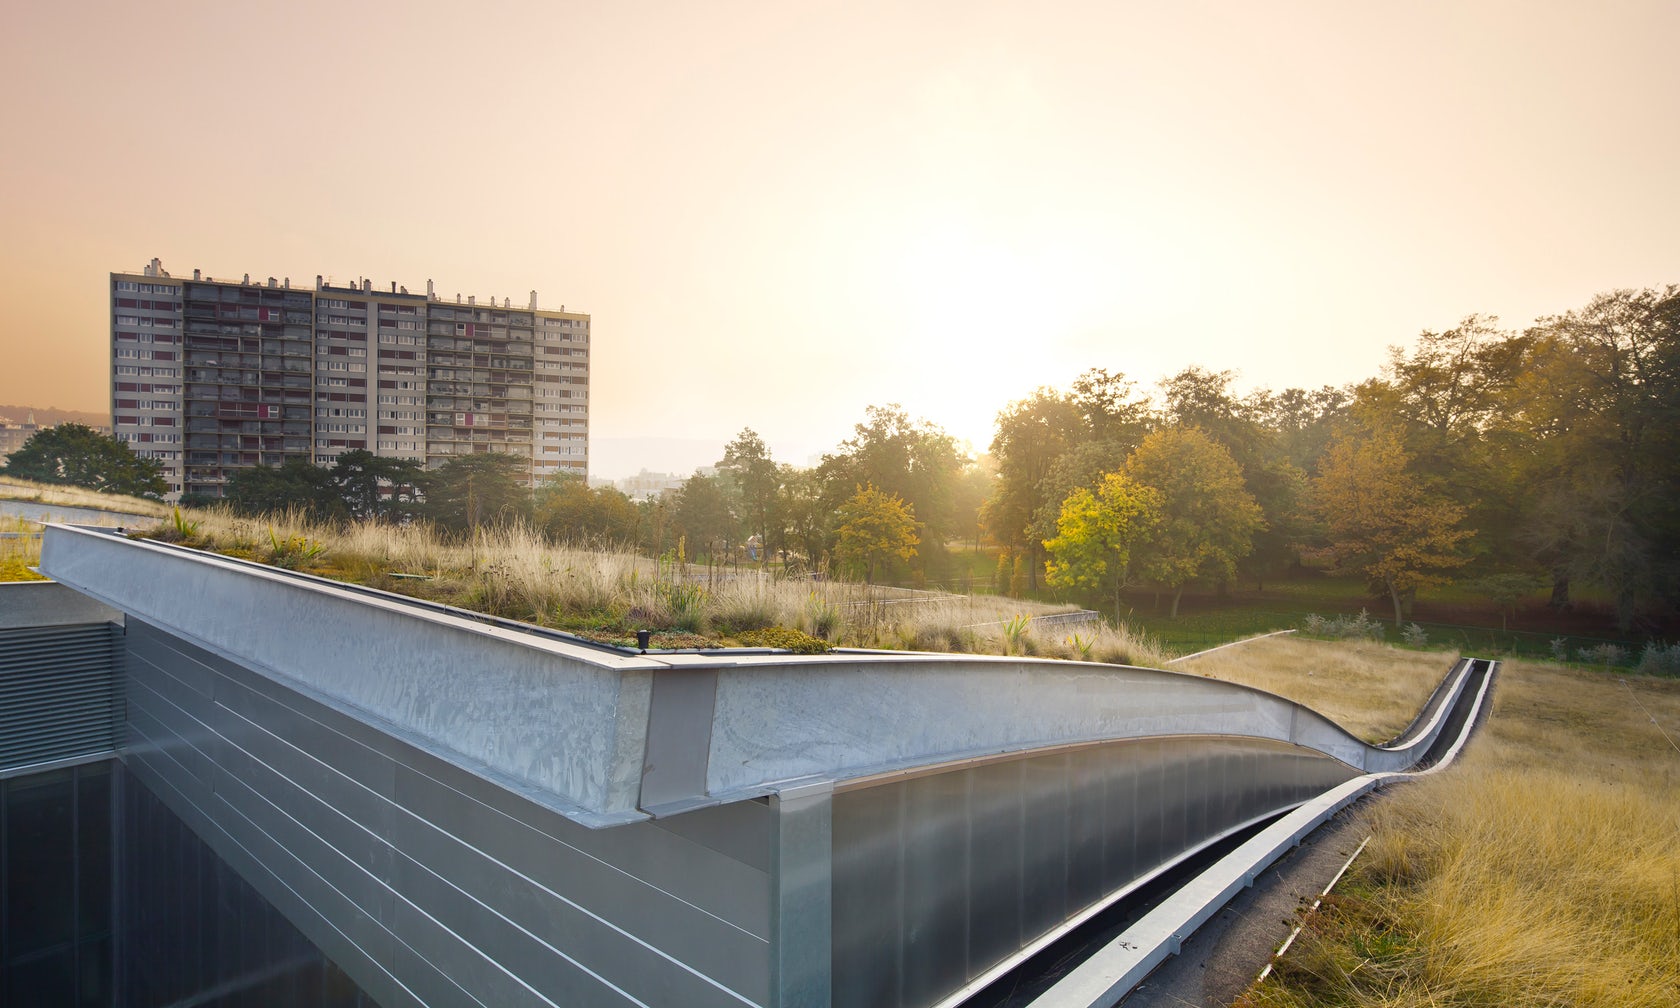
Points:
(1382, 520)
(1208, 517)
(875, 527)
(1096, 533)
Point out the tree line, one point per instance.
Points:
(1517, 460)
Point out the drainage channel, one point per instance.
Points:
(1099, 963)
(1035, 976)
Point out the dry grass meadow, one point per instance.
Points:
(1373, 690)
(1542, 869)
(606, 595)
(20, 544)
(70, 496)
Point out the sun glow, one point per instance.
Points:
(984, 310)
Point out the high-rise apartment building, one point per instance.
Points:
(210, 376)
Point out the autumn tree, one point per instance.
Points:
(1207, 516)
(77, 455)
(1051, 444)
(915, 461)
(1383, 521)
(1096, 534)
(875, 528)
(1442, 397)
(568, 509)
(1594, 411)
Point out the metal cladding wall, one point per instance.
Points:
(60, 677)
(431, 885)
(937, 878)
(60, 688)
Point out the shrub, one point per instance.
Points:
(822, 617)
(1015, 634)
(1414, 636)
(784, 638)
(290, 552)
(1660, 660)
(686, 603)
(1603, 654)
(1360, 627)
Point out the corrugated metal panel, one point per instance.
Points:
(939, 878)
(407, 870)
(59, 693)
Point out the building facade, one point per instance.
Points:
(211, 376)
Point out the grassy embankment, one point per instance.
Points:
(1543, 869)
(20, 544)
(70, 496)
(610, 595)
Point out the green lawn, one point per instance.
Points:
(1452, 616)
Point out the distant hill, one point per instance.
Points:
(52, 416)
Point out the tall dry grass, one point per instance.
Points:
(516, 573)
(1373, 690)
(12, 488)
(1542, 870)
(20, 549)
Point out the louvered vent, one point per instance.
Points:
(58, 692)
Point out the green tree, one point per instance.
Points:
(1048, 445)
(1381, 519)
(1302, 423)
(76, 455)
(295, 484)
(809, 522)
(1112, 408)
(912, 460)
(874, 528)
(1208, 517)
(371, 486)
(703, 517)
(471, 491)
(656, 524)
(1199, 399)
(1096, 534)
(1031, 435)
(750, 474)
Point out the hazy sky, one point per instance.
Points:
(781, 213)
